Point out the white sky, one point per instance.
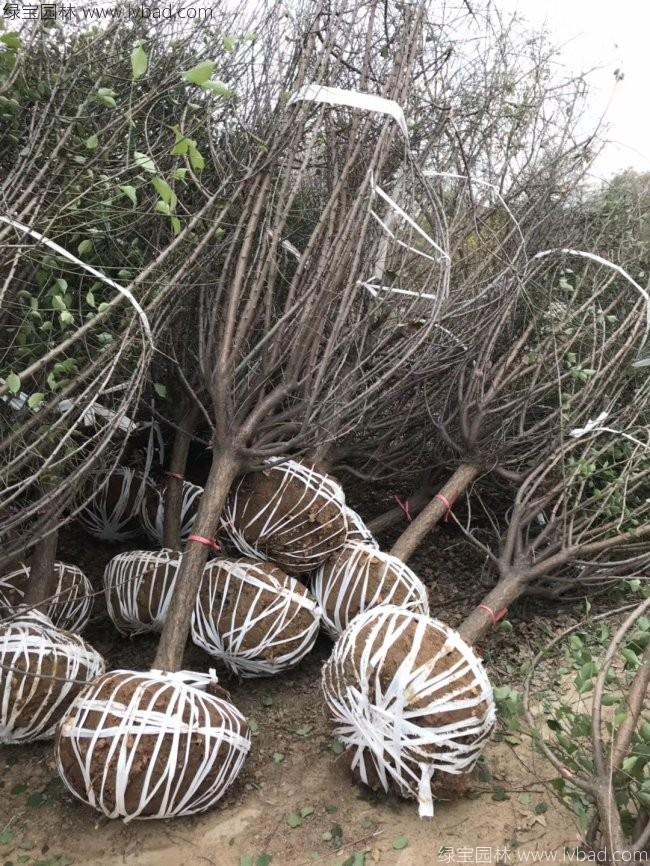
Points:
(608, 34)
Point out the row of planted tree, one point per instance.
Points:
(320, 244)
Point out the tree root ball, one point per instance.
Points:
(410, 700)
(152, 512)
(114, 513)
(287, 513)
(358, 531)
(138, 585)
(42, 669)
(71, 606)
(360, 578)
(253, 617)
(150, 745)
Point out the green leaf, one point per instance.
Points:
(400, 842)
(6, 836)
(229, 43)
(13, 383)
(294, 820)
(200, 73)
(630, 763)
(139, 62)
(35, 400)
(247, 860)
(338, 747)
(163, 189)
(62, 284)
(107, 97)
(37, 799)
(218, 88)
(160, 389)
(58, 303)
(196, 158)
(162, 207)
(306, 811)
(85, 247)
(130, 193)
(644, 797)
(264, 860)
(278, 758)
(11, 40)
(179, 173)
(144, 162)
(176, 225)
(90, 300)
(91, 142)
(66, 318)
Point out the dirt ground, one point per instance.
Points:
(294, 770)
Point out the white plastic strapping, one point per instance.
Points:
(71, 606)
(129, 737)
(113, 515)
(383, 711)
(138, 586)
(359, 578)
(287, 532)
(41, 668)
(357, 529)
(152, 511)
(239, 598)
(351, 99)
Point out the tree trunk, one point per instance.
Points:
(415, 503)
(418, 529)
(493, 607)
(42, 578)
(169, 656)
(174, 487)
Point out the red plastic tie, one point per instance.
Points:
(176, 475)
(406, 508)
(446, 503)
(496, 617)
(209, 542)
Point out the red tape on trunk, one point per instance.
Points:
(496, 617)
(176, 475)
(406, 508)
(442, 498)
(209, 542)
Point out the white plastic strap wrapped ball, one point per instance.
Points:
(152, 511)
(138, 585)
(151, 745)
(114, 514)
(358, 531)
(288, 513)
(72, 601)
(410, 699)
(359, 578)
(253, 617)
(42, 668)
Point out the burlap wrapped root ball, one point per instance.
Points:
(410, 700)
(288, 513)
(358, 531)
(359, 578)
(138, 585)
(42, 669)
(114, 513)
(151, 745)
(253, 617)
(152, 511)
(72, 601)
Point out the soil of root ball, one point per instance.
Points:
(378, 572)
(317, 531)
(345, 676)
(242, 596)
(103, 774)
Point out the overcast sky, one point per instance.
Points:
(609, 34)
